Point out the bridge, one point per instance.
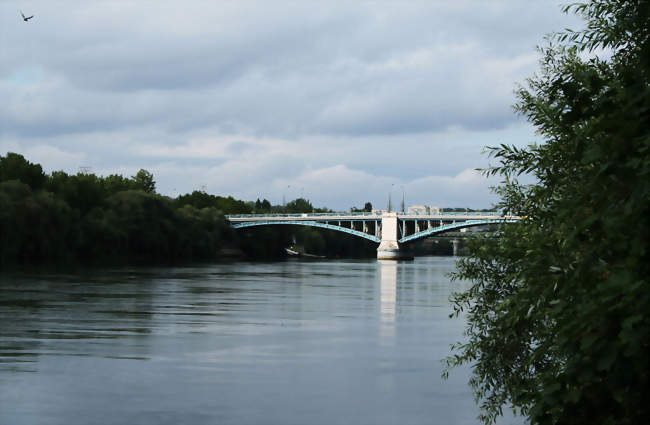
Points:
(391, 230)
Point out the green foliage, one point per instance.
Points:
(116, 183)
(85, 217)
(114, 219)
(34, 227)
(265, 242)
(15, 167)
(557, 314)
(144, 222)
(265, 205)
(203, 232)
(82, 192)
(299, 205)
(199, 199)
(366, 208)
(262, 206)
(144, 181)
(143, 227)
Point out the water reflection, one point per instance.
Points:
(387, 299)
(388, 279)
(290, 343)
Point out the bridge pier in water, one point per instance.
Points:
(389, 247)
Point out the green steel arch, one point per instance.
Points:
(454, 226)
(308, 223)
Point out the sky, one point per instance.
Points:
(339, 102)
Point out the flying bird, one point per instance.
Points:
(25, 18)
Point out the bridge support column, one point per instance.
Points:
(389, 248)
(455, 243)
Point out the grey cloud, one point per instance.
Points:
(239, 147)
(279, 90)
(171, 55)
(284, 70)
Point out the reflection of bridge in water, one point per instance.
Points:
(390, 230)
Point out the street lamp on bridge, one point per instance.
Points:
(390, 193)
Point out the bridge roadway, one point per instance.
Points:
(390, 230)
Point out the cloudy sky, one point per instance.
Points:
(341, 102)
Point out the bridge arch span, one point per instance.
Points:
(453, 226)
(388, 229)
(310, 224)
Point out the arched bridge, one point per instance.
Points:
(388, 229)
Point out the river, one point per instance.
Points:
(295, 342)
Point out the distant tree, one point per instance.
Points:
(229, 205)
(559, 307)
(146, 225)
(197, 199)
(299, 205)
(144, 181)
(204, 231)
(323, 210)
(89, 218)
(116, 183)
(366, 208)
(56, 182)
(34, 226)
(82, 192)
(262, 206)
(15, 167)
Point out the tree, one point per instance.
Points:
(34, 227)
(116, 183)
(262, 206)
(146, 224)
(144, 181)
(229, 205)
(15, 167)
(299, 205)
(366, 208)
(82, 192)
(557, 313)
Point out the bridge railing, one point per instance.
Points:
(332, 214)
(452, 213)
(364, 214)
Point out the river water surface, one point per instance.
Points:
(331, 342)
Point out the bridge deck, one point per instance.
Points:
(367, 216)
(381, 227)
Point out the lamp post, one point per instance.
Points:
(402, 198)
(390, 193)
(284, 201)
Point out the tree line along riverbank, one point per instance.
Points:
(85, 218)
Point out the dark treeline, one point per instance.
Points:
(68, 218)
(64, 218)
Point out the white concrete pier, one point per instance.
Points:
(389, 247)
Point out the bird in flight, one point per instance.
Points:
(25, 18)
